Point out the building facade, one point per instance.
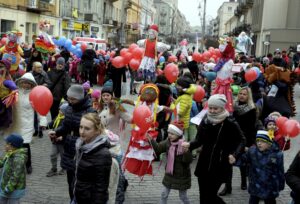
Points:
(24, 15)
(225, 12)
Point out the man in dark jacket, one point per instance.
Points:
(292, 177)
(78, 106)
(40, 75)
(87, 61)
(60, 84)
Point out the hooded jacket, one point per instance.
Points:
(23, 113)
(183, 105)
(93, 165)
(13, 175)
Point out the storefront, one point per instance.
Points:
(73, 29)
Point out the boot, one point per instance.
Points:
(226, 190)
(243, 178)
(52, 172)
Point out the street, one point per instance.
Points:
(54, 190)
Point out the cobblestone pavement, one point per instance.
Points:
(44, 190)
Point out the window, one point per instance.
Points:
(7, 25)
(229, 9)
(34, 25)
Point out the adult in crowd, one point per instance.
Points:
(60, 84)
(36, 56)
(245, 115)
(78, 106)
(117, 75)
(292, 177)
(278, 60)
(222, 140)
(87, 63)
(93, 162)
(296, 57)
(40, 75)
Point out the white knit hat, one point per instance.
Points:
(217, 100)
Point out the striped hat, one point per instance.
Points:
(264, 136)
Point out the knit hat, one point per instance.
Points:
(63, 108)
(76, 91)
(6, 63)
(184, 82)
(176, 128)
(108, 83)
(86, 86)
(60, 60)
(107, 89)
(218, 100)
(264, 136)
(269, 120)
(15, 140)
(96, 94)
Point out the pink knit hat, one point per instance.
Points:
(96, 94)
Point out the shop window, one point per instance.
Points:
(7, 25)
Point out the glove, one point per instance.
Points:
(10, 85)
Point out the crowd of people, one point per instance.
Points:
(85, 128)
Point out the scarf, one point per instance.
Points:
(171, 155)
(216, 118)
(58, 120)
(242, 108)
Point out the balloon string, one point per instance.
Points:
(284, 145)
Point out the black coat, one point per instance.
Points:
(292, 177)
(247, 122)
(42, 78)
(92, 176)
(70, 131)
(60, 83)
(217, 144)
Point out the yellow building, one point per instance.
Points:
(25, 15)
(133, 21)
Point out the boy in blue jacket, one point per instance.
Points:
(266, 170)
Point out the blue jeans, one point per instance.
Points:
(182, 195)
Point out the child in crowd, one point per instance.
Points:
(178, 172)
(183, 103)
(13, 180)
(87, 89)
(96, 94)
(283, 142)
(57, 142)
(266, 170)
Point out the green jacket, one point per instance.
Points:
(183, 104)
(13, 174)
(181, 178)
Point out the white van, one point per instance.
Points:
(98, 44)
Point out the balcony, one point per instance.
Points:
(108, 22)
(90, 17)
(37, 6)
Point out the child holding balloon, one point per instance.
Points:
(23, 115)
(178, 172)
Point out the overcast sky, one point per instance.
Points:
(190, 9)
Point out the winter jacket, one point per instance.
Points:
(60, 84)
(42, 78)
(23, 114)
(296, 59)
(13, 175)
(184, 105)
(93, 166)
(70, 130)
(292, 177)
(181, 178)
(194, 110)
(247, 122)
(217, 141)
(111, 122)
(266, 172)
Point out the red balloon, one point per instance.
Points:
(112, 54)
(134, 64)
(206, 55)
(280, 122)
(118, 62)
(132, 47)
(41, 99)
(3, 41)
(291, 128)
(142, 117)
(127, 57)
(297, 71)
(250, 75)
(199, 94)
(215, 57)
(83, 46)
(197, 57)
(217, 52)
(211, 49)
(171, 72)
(123, 52)
(138, 53)
(172, 58)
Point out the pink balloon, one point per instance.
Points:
(171, 72)
(127, 57)
(172, 58)
(134, 64)
(197, 57)
(132, 47)
(138, 53)
(123, 52)
(118, 62)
